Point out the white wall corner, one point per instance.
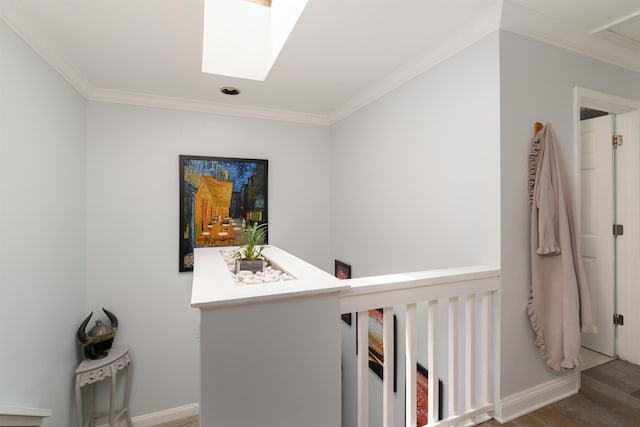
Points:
(526, 401)
(487, 22)
(160, 417)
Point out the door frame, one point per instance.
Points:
(584, 97)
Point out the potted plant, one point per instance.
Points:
(249, 256)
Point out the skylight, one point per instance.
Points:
(244, 38)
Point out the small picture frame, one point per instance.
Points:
(343, 271)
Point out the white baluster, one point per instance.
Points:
(363, 369)
(432, 361)
(454, 359)
(484, 349)
(469, 355)
(411, 361)
(388, 374)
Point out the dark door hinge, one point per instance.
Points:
(618, 319)
(616, 140)
(618, 229)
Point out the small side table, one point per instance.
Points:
(90, 372)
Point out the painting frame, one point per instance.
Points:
(422, 409)
(343, 271)
(376, 349)
(218, 198)
(375, 344)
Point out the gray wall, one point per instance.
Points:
(415, 175)
(415, 186)
(536, 84)
(42, 231)
(435, 170)
(132, 226)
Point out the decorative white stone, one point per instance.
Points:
(246, 277)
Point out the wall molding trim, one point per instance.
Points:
(160, 417)
(42, 45)
(526, 401)
(529, 23)
(481, 27)
(505, 15)
(201, 106)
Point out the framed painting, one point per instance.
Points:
(376, 348)
(422, 388)
(343, 271)
(219, 197)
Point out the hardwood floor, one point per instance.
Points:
(609, 397)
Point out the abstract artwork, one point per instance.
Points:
(219, 197)
(376, 348)
(422, 387)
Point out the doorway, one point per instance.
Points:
(608, 181)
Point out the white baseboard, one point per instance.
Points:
(537, 397)
(160, 417)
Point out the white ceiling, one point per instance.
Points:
(341, 55)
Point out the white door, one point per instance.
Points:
(628, 251)
(596, 225)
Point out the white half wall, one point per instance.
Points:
(42, 250)
(415, 186)
(536, 84)
(132, 226)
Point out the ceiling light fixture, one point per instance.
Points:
(229, 90)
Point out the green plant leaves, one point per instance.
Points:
(255, 236)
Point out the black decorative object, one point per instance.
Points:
(99, 340)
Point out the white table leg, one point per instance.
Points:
(127, 392)
(112, 395)
(78, 402)
(91, 405)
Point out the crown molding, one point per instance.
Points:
(13, 17)
(529, 23)
(196, 105)
(616, 22)
(482, 26)
(504, 15)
